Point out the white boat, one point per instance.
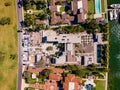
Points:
(115, 5)
(111, 15)
(115, 14)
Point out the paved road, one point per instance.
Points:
(19, 19)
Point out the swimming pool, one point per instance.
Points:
(97, 6)
(98, 53)
(89, 87)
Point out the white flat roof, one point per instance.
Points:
(64, 38)
(71, 86)
(80, 4)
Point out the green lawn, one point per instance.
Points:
(100, 85)
(8, 47)
(91, 7)
(62, 9)
(103, 5)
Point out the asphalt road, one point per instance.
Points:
(19, 19)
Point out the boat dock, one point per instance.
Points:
(113, 12)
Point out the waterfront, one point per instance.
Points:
(114, 75)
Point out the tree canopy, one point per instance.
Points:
(5, 20)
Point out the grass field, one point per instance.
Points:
(103, 5)
(91, 7)
(100, 85)
(8, 47)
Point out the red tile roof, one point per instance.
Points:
(49, 85)
(37, 70)
(56, 77)
(71, 78)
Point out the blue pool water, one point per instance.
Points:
(98, 53)
(97, 6)
(89, 87)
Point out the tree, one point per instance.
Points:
(41, 63)
(50, 48)
(39, 26)
(58, 2)
(5, 20)
(47, 72)
(41, 4)
(41, 16)
(7, 4)
(27, 4)
(104, 27)
(49, 12)
(69, 1)
(28, 20)
(92, 26)
(70, 12)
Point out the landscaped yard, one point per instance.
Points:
(91, 9)
(91, 6)
(100, 85)
(103, 5)
(8, 47)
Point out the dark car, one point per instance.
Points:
(19, 31)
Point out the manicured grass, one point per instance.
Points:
(91, 6)
(100, 85)
(103, 5)
(8, 46)
(62, 9)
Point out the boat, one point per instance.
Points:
(115, 14)
(115, 6)
(111, 15)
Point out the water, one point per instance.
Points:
(97, 6)
(114, 74)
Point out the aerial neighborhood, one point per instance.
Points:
(64, 45)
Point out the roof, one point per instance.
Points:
(81, 17)
(71, 79)
(32, 59)
(49, 85)
(85, 6)
(74, 6)
(56, 77)
(70, 58)
(37, 70)
(37, 21)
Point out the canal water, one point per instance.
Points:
(114, 74)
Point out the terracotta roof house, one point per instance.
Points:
(56, 77)
(49, 85)
(71, 82)
(37, 70)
